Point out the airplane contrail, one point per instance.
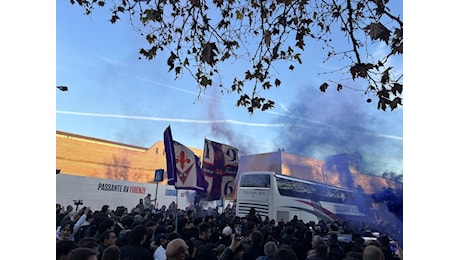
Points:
(179, 120)
(283, 114)
(218, 121)
(389, 136)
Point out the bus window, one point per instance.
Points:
(255, 180)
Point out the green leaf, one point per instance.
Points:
(239, 15)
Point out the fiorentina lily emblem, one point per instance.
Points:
(183, 164)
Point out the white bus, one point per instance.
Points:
(281, 197)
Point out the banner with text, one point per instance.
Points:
(220, 165)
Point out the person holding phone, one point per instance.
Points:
(235, 251)
(238, 231)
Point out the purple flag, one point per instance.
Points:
(170, 162)
(183, 166)
(220, 165)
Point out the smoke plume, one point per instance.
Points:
(331, 123)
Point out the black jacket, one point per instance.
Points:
(253, 252)
(136, 252)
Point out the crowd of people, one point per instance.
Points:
(197, 234)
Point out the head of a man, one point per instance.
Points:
(372, 252)
(176, 249)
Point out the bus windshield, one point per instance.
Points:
(255, 180)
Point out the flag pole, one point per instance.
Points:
(177, 208)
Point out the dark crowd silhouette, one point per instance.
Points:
(144, 232)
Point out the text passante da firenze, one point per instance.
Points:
(121, 188)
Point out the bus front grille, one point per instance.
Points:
(261, 209)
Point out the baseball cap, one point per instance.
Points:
(227, 231)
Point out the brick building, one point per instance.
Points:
(92, 157)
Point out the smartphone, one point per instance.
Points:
(238, 231)
(394, 246)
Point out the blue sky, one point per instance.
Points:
(115, 96)
(33, 43)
